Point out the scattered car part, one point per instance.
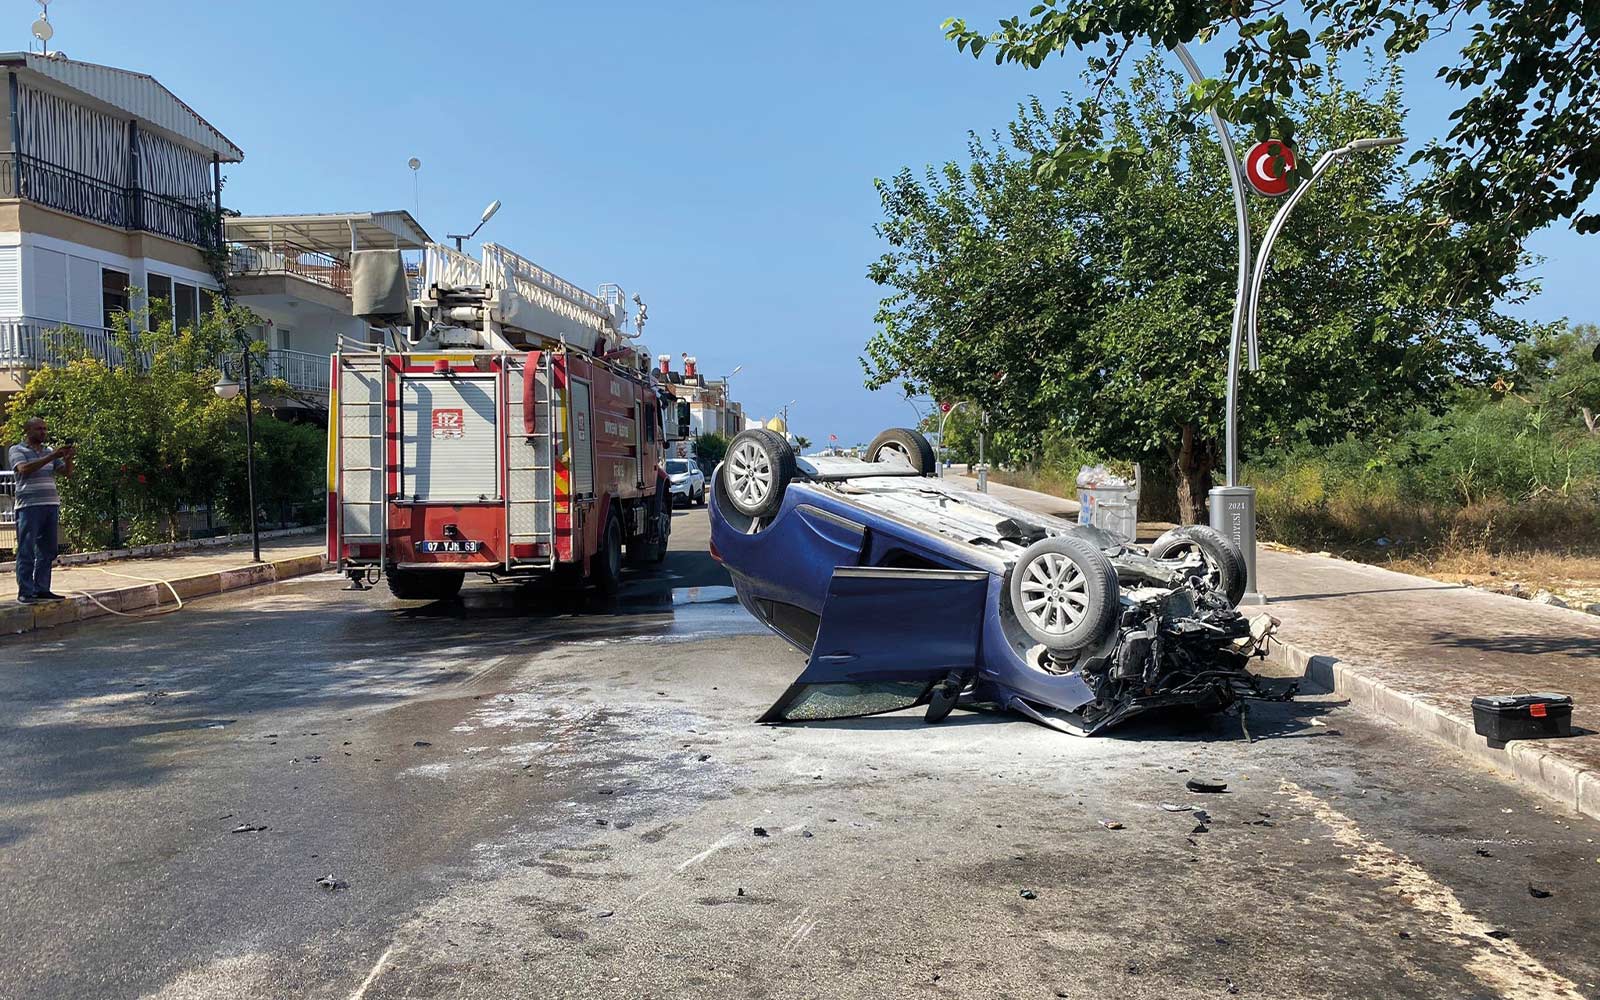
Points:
(1221, 561)
(1503, 718)
(1207, 785)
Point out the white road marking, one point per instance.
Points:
(372, 976)
(1500, 964)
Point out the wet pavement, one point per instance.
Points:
(522, 794)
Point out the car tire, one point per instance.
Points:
(1224, 562)
(906, 443)
(756, 472)
(1064, 593)
(424, 585)
(605, 571)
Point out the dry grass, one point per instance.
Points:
(1573, 576)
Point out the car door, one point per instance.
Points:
(887, 635)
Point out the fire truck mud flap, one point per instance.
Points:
(887, 638)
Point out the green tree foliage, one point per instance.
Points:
(151, 433)
(1100, 311)
(1561, 368)
(709, 450)
(1523, 148)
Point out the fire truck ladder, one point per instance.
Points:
(530, 503)
(363, 507)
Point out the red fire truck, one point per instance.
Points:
(516, 432)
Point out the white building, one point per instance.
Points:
(294, 272)
(107, 182)
(711, 409)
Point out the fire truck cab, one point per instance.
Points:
(517, 431)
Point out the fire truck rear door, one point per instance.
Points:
(450, 444)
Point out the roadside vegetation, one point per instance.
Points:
(155, 441)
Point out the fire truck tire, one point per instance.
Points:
(642, 552)
(411, 585)
(905, 444)
(605, 570)
(757, 471)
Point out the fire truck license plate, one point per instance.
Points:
(463, 546)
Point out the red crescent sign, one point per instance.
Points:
(1263, 174)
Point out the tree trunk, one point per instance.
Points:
(1192, 465)
(1588, 420)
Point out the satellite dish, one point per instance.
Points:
(414, 163)
(42, 30)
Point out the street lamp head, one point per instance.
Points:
(226, 387)
(1373, 143)
(488, 213)
(736, 370)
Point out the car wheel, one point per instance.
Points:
(424, 585)
(905, 444)
(942, 699)
(757, 471)
(1224, 563)
(1064, 592)
(606, 569)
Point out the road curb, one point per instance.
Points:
(1573, 786)
(16, 619)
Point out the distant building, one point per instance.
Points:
(711, 410)
(108, 182)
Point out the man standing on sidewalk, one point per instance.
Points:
(38, 509)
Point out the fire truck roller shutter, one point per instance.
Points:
(449, 434)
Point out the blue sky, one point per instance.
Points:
(717, 158)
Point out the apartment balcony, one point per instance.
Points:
(43, 183)
(305, 372)
(308, 265)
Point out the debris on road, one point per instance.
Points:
(1482, 853)
(1111, 824)
(1028, 894)
(332, 884)
(1173, 807)
(761, 831)
(1538, 893)
(422, 743)
(1206, 785)
(605, 913)
(248, 828)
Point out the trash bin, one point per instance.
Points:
(1108, 501)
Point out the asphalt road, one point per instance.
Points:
(519, 795)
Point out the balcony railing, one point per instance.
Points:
(304, 372)
(44, 183)
(318, 268)
(32, 343)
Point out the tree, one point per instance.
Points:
(151, 433)
(1524, 146)
(802, 442)
(709, 450)
(1100, 310)
(1562, 367)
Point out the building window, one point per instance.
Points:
(113, 294)
(183, 305)
(159, 295)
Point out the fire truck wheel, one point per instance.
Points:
(412, 585)
(606, 566)
(757, 471)
(642, 552)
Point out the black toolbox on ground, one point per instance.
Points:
(1506, 717)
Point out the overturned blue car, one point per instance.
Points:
(904, 590)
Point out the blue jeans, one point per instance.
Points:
(37, 529)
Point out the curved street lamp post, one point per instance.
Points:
(1233, 507)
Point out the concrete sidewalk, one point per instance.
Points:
(1417, 651)
(132, 585)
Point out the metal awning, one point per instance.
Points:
(333, 233)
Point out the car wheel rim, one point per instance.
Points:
(1213, 572)
(1055, 593)
(750, 474)
(896, 449)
